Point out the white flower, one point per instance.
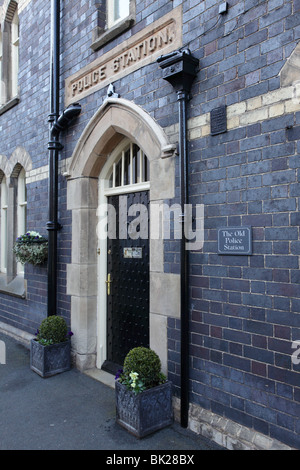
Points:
(34, 234)
(134, 375)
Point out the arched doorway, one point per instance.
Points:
(91, 180)
(123, 253)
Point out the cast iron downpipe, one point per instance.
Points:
(180, 69)
(57, 124)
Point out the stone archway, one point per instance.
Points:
(116, 119)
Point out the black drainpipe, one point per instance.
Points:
(180, 69)
(57, 124)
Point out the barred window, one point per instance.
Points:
(130, 168)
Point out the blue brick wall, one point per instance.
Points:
(244, 311)
(25, 125)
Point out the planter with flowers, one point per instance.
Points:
(143, 394)
(50, 351)
(31, 248)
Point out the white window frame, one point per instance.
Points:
(9, 85)
(141, 184)
(109, 26)
(3, 227)
(14, 54)
(1, 58)
(21, 212)
(115, 6)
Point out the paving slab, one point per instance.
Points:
(70, 411)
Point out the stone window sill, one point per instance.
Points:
(10, 104)
(102, 37)
(15, 288)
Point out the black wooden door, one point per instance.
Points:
(127, 277)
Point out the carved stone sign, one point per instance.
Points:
(235, 241)
(161, 37)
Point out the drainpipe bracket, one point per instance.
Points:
(53, 226)
(52, 117)
(53, 145)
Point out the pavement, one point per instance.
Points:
(71, 411)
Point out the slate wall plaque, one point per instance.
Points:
(235, 240)
(218, 120)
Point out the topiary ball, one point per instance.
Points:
(53, 329)
(146, 363)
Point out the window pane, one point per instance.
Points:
(134, 164)
(145, 169)
(110, 181)
(14, 54)
(1, 86)
(131, 167)
(3, 221)
(118, 180)
(127, 167)
(121, 9)
(21, 211)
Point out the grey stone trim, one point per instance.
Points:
(10, 104)
(11, 8)
(225, 432)
(101, 37)
(15, 288)
(19, 335)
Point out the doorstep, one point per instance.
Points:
(101, 376)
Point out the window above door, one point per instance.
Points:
(114, 17)
(129, 170)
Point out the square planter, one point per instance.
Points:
(50, 360)
(146, 412)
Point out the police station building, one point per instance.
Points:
(155, 144)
